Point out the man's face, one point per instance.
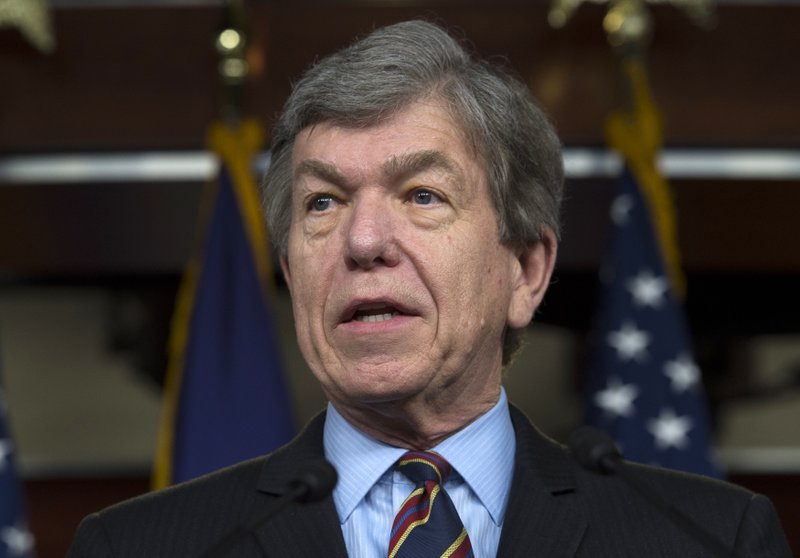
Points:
(400, 286)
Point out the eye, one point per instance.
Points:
(320, 203)
(422, 196)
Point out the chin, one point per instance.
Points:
(382, 390)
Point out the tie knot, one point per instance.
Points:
(422, 466)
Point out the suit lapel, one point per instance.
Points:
(543, 517)
(310, 530)
(301, 529)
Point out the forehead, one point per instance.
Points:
(424, 130)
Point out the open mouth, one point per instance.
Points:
(375, 315)
(373, 312)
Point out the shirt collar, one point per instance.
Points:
(359, 459)
(482, 453)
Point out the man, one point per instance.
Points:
(413, 198)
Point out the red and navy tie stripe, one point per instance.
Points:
(427, 524)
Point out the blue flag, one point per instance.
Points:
(15, 539)
(643, 386)
(226, 396)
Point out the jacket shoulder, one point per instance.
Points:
(615, 518)
(736, 517)
(181, 520)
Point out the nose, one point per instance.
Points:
(371, 235)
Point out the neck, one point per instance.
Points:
(412, 425)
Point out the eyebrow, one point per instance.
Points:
(406, 164)
(409, 164)
(322, 170)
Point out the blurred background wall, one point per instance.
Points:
(102, 166)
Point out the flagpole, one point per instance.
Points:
(642, 385)
(225, 394)
(636, 129)
(233, 68)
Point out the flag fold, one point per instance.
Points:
(15, 539)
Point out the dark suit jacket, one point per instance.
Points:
(556, 509)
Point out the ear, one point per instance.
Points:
(287, 274)
(534, 267)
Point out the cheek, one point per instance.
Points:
(310, 292)
(307, 258)
(492, 281)
(473, 280)
(305, 286)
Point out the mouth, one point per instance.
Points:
(372, 312)
(377, 315)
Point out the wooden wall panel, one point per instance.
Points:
(146, 77)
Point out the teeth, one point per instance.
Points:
(376, 317)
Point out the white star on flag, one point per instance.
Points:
(630, 342)
(617, 398)
(670, 430)
(647, 289)
(620, 208)
(5, 451)
(683, 372)
(18, 540)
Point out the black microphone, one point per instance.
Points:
(597, 451)
(313, 481)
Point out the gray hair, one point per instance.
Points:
(371, 80)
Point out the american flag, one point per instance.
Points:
(15, 539)
(643, 385)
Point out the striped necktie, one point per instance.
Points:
(427, 524)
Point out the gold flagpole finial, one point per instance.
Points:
(628, 22)
(33, 20)
(231, 43)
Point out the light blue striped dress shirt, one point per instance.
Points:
(370, 492)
